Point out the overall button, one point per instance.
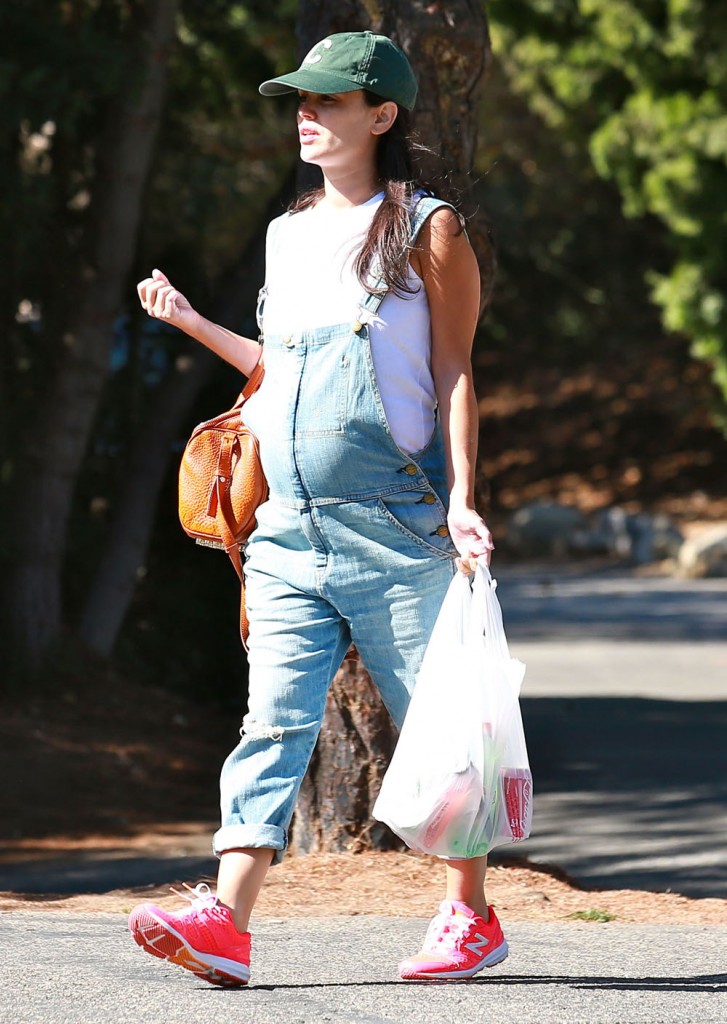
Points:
(428, 499)
(288, 342)
(441, 531)
(411, 469)
(357, 327)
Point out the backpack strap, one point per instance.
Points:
(226, 523)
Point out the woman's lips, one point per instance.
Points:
(307, 136)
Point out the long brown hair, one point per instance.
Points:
(386, 245)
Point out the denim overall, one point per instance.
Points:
(352, 545)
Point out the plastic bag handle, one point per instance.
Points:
(486, 610)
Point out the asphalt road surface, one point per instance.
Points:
(59, 968)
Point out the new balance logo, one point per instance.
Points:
(477, 947)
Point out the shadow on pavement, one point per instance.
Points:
(94, 871)
(698, 983)
(630, 792)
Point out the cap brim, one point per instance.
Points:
(309, 81)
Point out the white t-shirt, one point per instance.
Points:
(311, 283)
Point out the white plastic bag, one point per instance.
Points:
(459, 783)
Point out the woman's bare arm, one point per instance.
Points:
(452, 281)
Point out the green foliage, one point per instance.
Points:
(223, 150)
(61, 67)
(65, 68)
(601, 916)
(644, 87)
(563, 243)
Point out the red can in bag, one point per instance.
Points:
(516, 786)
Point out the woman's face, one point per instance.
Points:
(339, 130)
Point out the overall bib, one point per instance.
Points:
(352, 546)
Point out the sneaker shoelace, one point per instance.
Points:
(445, 933)
(202, 899)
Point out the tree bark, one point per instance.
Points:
(115, 580)
(55, 453)
(448, 44)
(356, 743)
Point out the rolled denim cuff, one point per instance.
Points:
(242, 837)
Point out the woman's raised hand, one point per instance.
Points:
(162, 300)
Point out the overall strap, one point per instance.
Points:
(424, 207)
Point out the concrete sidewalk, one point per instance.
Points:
(60, 968)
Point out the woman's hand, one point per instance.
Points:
(162, 300)
(470, 535)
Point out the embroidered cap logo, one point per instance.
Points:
(313, 57)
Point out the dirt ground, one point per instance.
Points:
(408, 885)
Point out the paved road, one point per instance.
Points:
(585, 603)
(59, 968)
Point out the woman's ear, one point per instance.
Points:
(385, 117)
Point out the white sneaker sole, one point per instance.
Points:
(495, 956)
(159, 938)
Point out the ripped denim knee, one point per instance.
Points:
(260, 781)
(254, 729)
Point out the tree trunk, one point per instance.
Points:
(448, 44)
(113, 585)
(115, 580)
(55, 454)
(348, 764)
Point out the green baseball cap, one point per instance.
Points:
(347, 61)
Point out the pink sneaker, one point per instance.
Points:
(458, 944)
(202, 938)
